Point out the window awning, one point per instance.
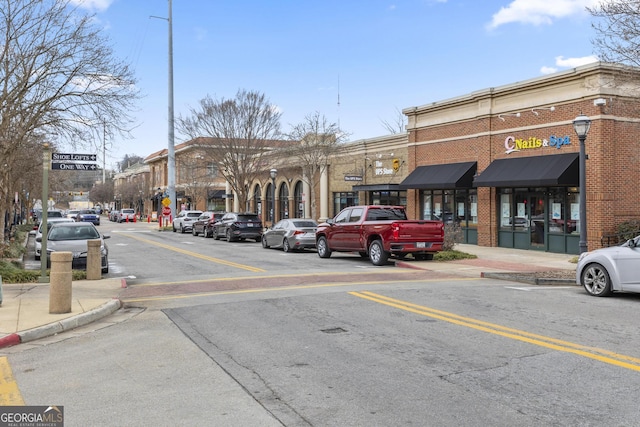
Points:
(453, 175)
(216, 194)
(539, 171)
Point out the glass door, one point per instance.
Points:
(538, 226)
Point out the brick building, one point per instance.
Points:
(504, 162)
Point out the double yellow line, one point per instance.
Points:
(598, 354)
(197, 255)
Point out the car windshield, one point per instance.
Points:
(73, 233)
(88, 211)
(128, 211)
(193, 214)
(54, 214)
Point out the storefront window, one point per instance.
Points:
(506, 213)
(472, 208)
(573, 211)
(557, 215)
(344, 199)
(426, 205)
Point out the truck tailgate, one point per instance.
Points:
(420, 230)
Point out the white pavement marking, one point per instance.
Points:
(532, 288)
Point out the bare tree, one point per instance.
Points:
(196, 178)
(618, 31)
(317, 141)
(397, 125)
(245, 128)
(58, 79)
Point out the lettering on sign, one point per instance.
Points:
(381, 169)
(73, 157)
(73, 166)
(512, 144)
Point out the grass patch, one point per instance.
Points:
(452, 255)
(12, 272)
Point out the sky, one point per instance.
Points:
(357, 62)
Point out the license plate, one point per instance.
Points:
(249, 224)
(420, 245)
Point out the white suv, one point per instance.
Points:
(126, 215)
(184, 220)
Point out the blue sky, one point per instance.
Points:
(375, 56)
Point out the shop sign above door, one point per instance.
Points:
(512, 144)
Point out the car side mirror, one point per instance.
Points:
(330, 221)
(106, 236)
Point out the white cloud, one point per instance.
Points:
(562, 62)
(99, 5)
(539, 12)
(575, 62)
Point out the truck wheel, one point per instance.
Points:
(377, 254)
(323, 248)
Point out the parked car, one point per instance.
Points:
(37, 216)
(38, 233)
(88, 215)
(71, 213)
(607, 270)
(73, 237)
(291, 235)
(114, 214)
(238, 226)
(184, 220)
(125, 215)
(204, 223)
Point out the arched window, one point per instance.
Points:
(283, 197)
(257, 202)
(298, 201)
(270, 205)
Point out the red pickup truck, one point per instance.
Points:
(378, 232)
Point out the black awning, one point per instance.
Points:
(453, 175)
(216, 194)
(540, 171)
(376, 187)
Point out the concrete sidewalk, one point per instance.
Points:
(24, 313)
(25, 317)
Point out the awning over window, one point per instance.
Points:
(216, 194)
(454, 175)
(540, 171)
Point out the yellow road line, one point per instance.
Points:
(195, 254)
(605, 356)
(9, 392)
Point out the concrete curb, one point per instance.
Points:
(515, 277)
(68, 324)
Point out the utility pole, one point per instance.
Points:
(171, 153)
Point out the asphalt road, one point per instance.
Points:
(233, 334)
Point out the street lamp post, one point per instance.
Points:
(273, 173)
(581, 125)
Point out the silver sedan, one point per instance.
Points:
(613, 269)
(291, 235)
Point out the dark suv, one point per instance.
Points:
(238, 226)
(205, 222)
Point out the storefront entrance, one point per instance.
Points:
(530, 213)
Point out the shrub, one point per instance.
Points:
(628, 229)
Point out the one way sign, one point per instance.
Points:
(73, 166)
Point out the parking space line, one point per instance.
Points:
(9, 392)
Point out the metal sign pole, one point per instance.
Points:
(45, 206)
